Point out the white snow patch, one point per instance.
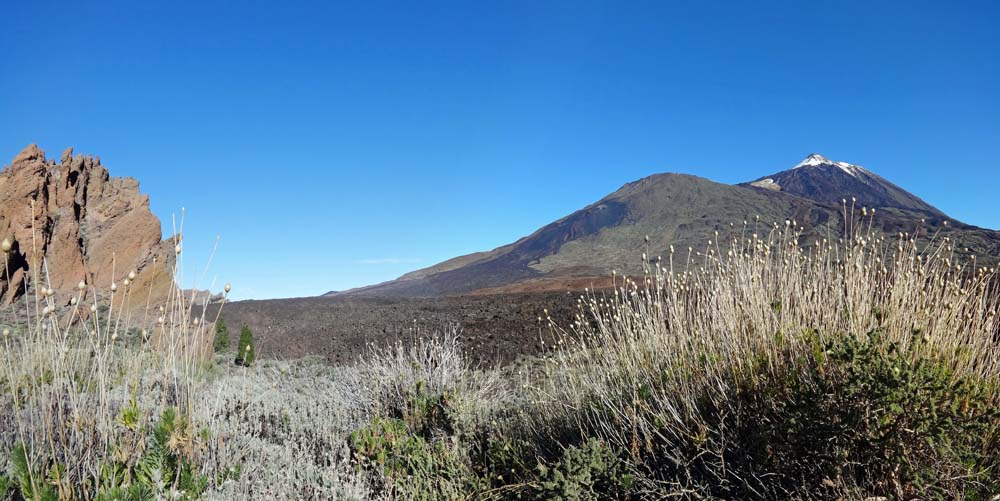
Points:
(767, 183)
(816, 160)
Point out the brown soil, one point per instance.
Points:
(553, 284)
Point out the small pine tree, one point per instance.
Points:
(221, 336)
(246, 354)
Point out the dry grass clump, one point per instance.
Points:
(97, 399)
(757, 368)
(433, 365)
(97, 402)
(101, 402)
(427, 407)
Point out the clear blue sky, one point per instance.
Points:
(332, 145)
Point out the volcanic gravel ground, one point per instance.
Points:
(494, 329)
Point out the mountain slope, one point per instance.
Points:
(685, 212)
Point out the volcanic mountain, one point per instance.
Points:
(684, 212)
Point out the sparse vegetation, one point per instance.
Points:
(753, 369)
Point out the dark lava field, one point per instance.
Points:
(494, 329)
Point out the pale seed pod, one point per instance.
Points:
(6, 245)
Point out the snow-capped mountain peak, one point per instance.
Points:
(823, 180)
(816, 160)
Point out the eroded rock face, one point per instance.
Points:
(71, 221)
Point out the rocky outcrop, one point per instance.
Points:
(71, 221)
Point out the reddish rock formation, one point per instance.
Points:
(72, 221)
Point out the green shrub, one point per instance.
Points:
(422, 454)
(166, 460)
(221, 342)
(589, 471)
(164, 466)
(416, 449)
(245, 354)
(880, 416)
(856, 414)
(46, 484)
(414, 467)
(426, 414)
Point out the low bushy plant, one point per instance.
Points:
(5, 485)
(869, 412)
(157, 462)
(167, 460)
(860, 414)
(41, 484)
(589, 471)
(412, 466)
